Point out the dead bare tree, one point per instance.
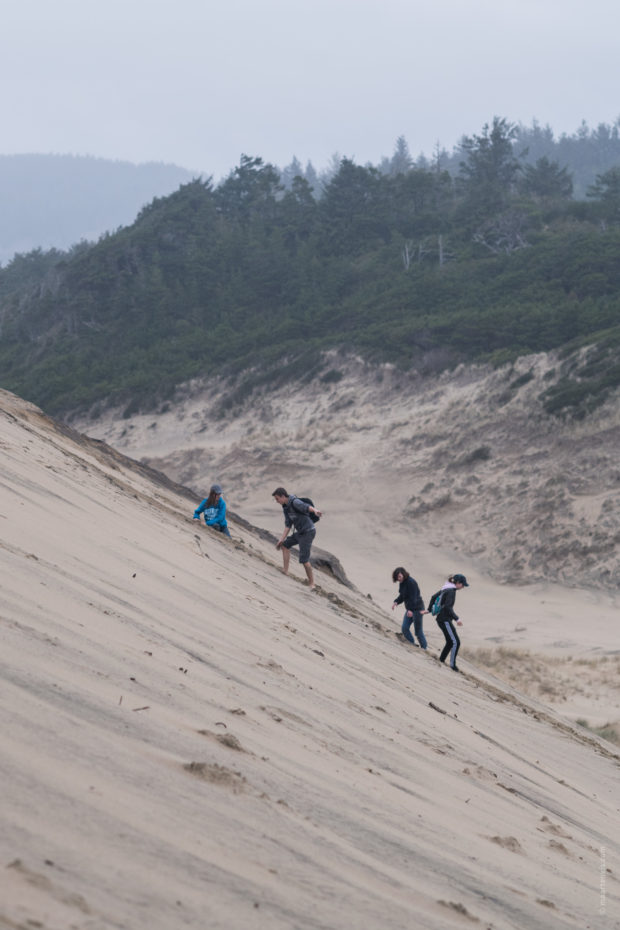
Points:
(504, 234)
(407, 254)
(445, 255)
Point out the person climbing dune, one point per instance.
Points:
(446, 617)
(214, 509)
(299, 515)
(409, 594)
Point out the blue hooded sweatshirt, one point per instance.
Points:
(214, 516)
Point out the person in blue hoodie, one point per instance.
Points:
(214, 509)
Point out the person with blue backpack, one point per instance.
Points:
(441, 606)
(214, 509)
(300, 514)
(409, 594)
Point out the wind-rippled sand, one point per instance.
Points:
(192, 739)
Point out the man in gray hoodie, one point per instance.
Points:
(296, 517)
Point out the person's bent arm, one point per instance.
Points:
(287, 530)
(200, 509)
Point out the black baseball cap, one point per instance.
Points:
(460, 579)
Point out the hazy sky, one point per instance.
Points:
(199, 82)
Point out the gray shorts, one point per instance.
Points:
(304, 541)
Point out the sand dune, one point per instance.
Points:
(460, 473)
(191, 739)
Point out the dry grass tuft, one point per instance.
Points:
(609, 731)
(553, 679)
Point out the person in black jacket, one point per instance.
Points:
(446, 618)
(409, 594)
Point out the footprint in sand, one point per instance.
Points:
(554, 828)
(508, 842)
(560, 847)
(273, 667)
(217, 775)
(545, 903)
(226, 739)
(479, 771)
(43, 883)
(459, 909)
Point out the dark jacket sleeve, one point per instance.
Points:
(299, 505)
(402, 592)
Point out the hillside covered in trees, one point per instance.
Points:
(413, 265)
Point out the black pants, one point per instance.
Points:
(452, 641)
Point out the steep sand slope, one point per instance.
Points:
(469, 458)
(191, 739)
(460, 473)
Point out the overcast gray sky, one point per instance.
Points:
(199, 82)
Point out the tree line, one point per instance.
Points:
(418, 266)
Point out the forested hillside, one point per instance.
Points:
(413, 266)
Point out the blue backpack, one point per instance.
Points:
(435, 605)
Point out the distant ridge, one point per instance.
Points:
(55, 201)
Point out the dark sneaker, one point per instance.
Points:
(455, 668)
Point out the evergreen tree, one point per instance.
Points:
(298, 213)
(250, 190)
(312, 178)
(490, 169)
(606, 190)
(401, 159)
(353, 209)
(535, 141)
(332, 169)
(547, 181)
(292, 171)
